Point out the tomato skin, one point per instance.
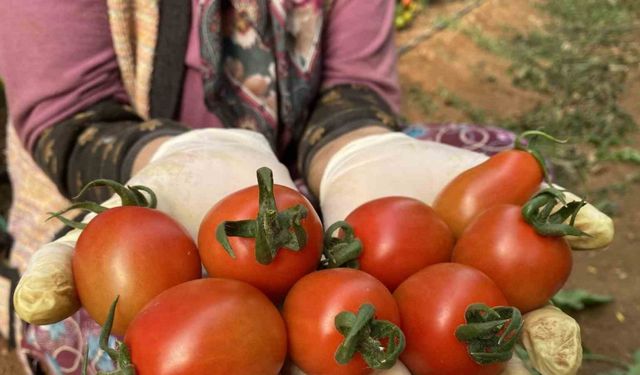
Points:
(208, 327)
(400, 236)
(311, 307)
(432, 304)
(276, 278)
(528, 268)
(509, 177)
(134, 252)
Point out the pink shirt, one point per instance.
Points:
(56, 62)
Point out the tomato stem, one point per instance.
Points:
(271, 229)
(120, 355)
(364, 334)
(538, 212)
(341, 252)
(529, 147)
(129, 196)
(490, 333)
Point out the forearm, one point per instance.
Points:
(106, 140)
(321, 159)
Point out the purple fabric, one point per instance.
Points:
(488, 140)
(56, 58)
(359, 47)
(59, 347)
(52, 67)
(193, 110)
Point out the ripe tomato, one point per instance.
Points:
(286, 267)
(310, 310)
(528, 268)
(432, 305)
(508, 177)
(134, 252)
(208, 327)
(399, 236)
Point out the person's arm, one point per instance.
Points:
(65, 96)
(56, 59)
(360, 92)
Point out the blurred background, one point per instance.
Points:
(568, 67)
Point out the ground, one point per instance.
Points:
(466, 82)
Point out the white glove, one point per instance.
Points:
(552, 339)
(391, 164)
(189, 174)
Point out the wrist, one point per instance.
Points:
(146, 152)
(321, 158)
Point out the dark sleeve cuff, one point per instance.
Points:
(339, 110)
(96, 143)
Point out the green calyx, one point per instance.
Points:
(341, 252)
(365, 335)
(490, 333)
(120, 355)
(271, 229)
(530, 147)
(129, 195)
(538, 212)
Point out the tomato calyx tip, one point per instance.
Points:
(341, 252)
(538, 212)
(529, 147)
(490, 333)
(120, 355)
(129, 196)
(271, 229)
(363, 334)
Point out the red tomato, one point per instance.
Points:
(508, 177)
(528, 268)
(208, 327)
(400, 236)
(432, 305)
(273, 279)
(311, 307)
(134, 252)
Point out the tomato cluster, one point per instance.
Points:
(441, 288)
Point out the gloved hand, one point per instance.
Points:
(188, 173)
(396, 164)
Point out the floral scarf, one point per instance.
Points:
(262, 61)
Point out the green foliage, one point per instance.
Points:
(451, 99)
(578, 299)
(424, 103)
(406, 12)
(631, 369)
(521, 352)
(580, 62)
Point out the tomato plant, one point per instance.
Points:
(433, 303)
(271, 251)
(529, 267)
(208, 327)
(325, 335)
(509, 177)
(132, 251)
(399, 237)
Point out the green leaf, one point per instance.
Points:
(632, 369)
(578, 299)
(625, 155)
(521, 352)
